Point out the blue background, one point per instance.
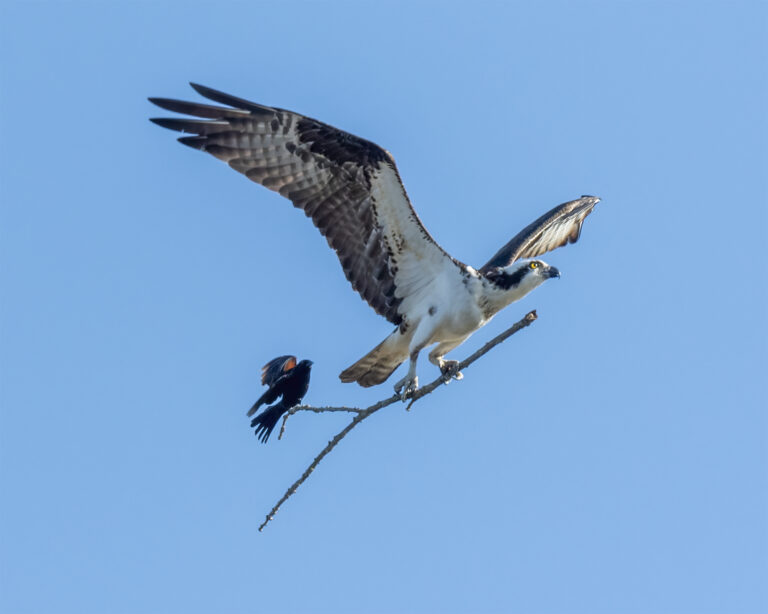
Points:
(610, 458)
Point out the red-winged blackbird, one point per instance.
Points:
(284, 377)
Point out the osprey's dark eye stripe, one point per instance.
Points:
(505, 280)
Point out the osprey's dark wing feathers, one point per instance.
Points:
(196, 109)
(330, 175)
(558, 227)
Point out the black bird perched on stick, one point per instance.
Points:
(285, 377)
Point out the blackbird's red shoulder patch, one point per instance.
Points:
(275, 368)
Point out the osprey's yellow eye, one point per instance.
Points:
(534, 265)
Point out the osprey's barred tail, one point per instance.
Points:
(378, 364)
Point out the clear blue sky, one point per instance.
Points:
(612, 458)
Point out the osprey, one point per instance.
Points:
(352, 191)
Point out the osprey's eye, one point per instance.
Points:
(534, 265)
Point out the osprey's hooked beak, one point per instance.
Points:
(552, 272)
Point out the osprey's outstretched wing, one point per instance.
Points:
(558, 227)
(348, 186)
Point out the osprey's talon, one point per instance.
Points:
(406, 387)
(450, 371)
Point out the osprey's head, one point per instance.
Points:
(521, 276)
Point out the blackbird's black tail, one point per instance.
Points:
(265, 422)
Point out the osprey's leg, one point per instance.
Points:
(410, 383)
(421, 339)
(449, 368)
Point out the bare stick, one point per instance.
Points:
(362, 414)
(317, 410)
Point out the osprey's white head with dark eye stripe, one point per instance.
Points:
(351, 189)
(512, 282)
(522, 272)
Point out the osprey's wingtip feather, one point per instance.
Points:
(196, 142)
(232, 101)
(166, 122)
